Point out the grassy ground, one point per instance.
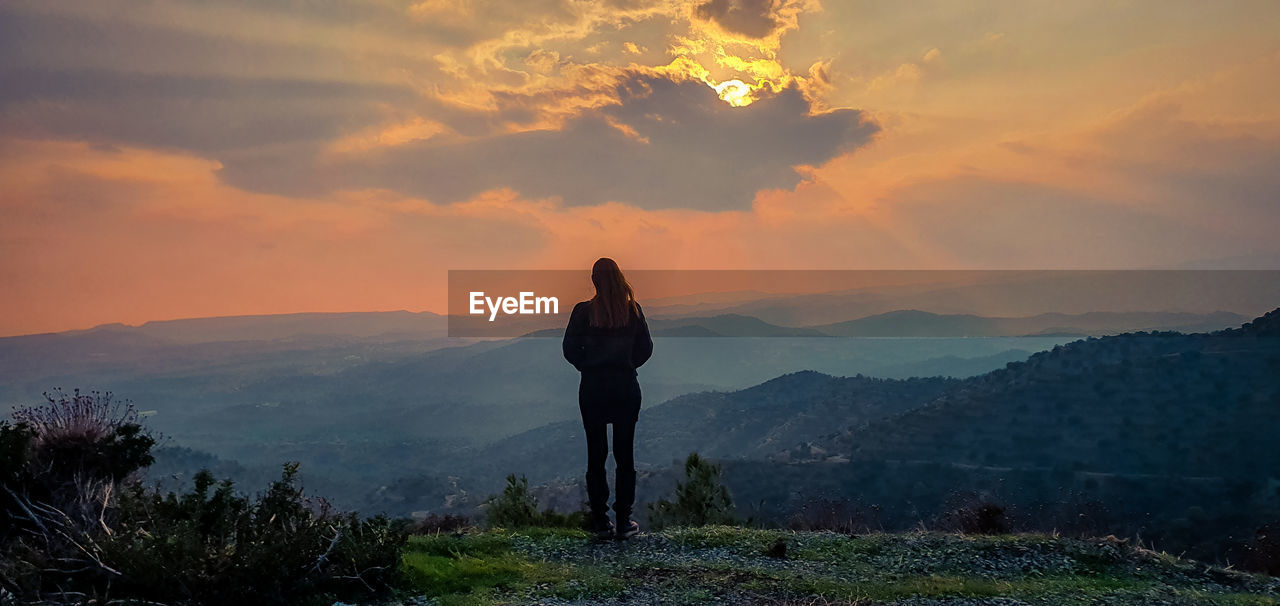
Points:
(721, 565)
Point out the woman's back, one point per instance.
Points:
(597, 348)
(606, 340)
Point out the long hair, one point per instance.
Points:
(614, 300)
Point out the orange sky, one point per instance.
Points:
(182, 159)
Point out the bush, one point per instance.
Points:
(15, 444)
(79, 523)
(86, 436)
(699, 500)
(1262, 554)
(973, 514)
(439, 524)
(70, 453)
(212, 546)
(516, 507)
(836, 515)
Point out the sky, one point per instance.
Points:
(191, 158)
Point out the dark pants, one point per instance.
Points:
(624, 434)
(606, 398)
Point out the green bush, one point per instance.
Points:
(516, 507)
(85, 436)
(213, 546)
(701, 499)
(77, 523)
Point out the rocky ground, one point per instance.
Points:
(721, 565)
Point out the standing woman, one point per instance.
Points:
(606, 340)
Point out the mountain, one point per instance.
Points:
(1165, 435)
(1202, 405)
(914, 323)
(381, 324)
(751, 423)
(1014, 294)
(243, 345)
(726, 325)
(723, 325)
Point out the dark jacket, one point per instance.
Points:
(596, 350)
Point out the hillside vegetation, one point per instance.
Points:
(1202, 405)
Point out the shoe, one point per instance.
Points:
(628, 530)
(602, 528)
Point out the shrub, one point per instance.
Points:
(701, 499)
(439, 524)
(213, 546)
(15, 445)
(86, 435)
(70, 453)
(973, 514)
(1262, 554)
(839, 515)
(78, 523)
(516, 507)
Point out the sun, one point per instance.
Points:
(734, 92)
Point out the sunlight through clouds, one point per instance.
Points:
(290, 147)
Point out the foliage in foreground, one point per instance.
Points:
(516, 507)
(78, 523)
(701, 499)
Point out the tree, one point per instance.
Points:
(515, 507)
(699, 500)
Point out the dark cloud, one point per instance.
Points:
(137, 84)
(197, 113)
(754, 18)
(696, 152)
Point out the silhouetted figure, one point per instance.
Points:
(606, 340)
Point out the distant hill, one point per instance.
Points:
(749, 423)
(725, 325)
(319, 342)
(952, 366)
(1165, 435)
(1019, 294)
(1267, 325)
(1150, 403)
(383, 324)
(914, 323)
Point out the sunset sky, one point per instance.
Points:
(188, 158)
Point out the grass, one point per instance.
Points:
(479, 568)
(701, 565)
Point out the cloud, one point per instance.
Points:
(154, 235)
(982, 222)
(198, 113)
(665, 144)
(752, 18)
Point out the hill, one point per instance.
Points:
(1015, 294)
(1163, 435)
(723, 325)
(749, 423)
(380, 324)
(1197, 405)
(913, 323)
(745, 566)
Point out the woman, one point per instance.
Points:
(606, 340)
